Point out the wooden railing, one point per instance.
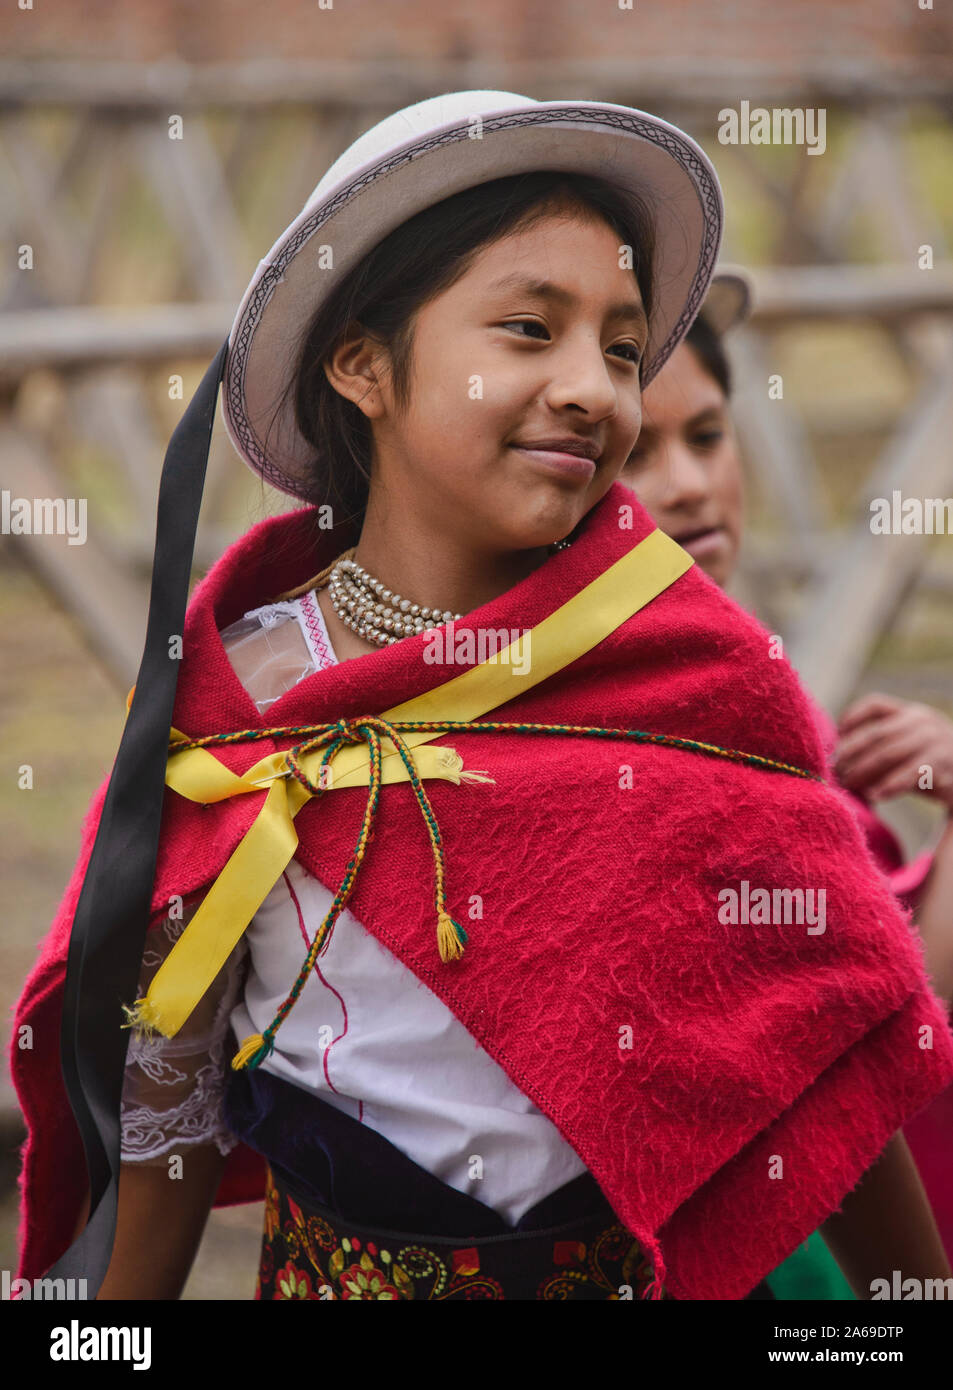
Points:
(142, 245)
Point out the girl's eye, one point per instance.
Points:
(532, 323)
(632, 350)
(707, 439)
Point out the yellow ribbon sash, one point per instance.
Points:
(259, 860)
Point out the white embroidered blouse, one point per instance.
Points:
(365, 1036)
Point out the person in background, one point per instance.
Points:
(686, 470)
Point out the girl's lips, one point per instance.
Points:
(705, 543)
(567, 465)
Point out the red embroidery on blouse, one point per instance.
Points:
(327, 984)
(314, 622)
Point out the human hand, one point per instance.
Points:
(884, 744)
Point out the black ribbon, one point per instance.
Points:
(112, 916)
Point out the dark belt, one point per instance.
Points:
(324, 1167)
(310, 1252)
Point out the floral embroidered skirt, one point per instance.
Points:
(309, 1252)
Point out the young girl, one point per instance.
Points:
(490, 1035)
(686, 470)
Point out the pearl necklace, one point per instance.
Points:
(375, 612)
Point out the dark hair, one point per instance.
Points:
(709, 349)
(420, 259)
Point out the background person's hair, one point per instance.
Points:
(417, 261)
(708, 347)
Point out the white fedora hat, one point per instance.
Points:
(417, 157)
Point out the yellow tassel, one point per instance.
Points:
(448, 938)
(247, 1051)
(142, 1019)
(450, 759)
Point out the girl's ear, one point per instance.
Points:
(355, 368)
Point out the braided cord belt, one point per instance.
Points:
(370, 729)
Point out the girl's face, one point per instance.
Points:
(532, 353)
(685, 468)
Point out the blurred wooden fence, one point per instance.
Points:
(142, 245)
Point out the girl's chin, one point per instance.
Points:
(536, 536)
(552, 516)
(524, 519)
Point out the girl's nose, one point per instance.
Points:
(684, 476)
(584, 381)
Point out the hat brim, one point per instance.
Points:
(637, 152)
(729, 299)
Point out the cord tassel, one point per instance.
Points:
(142, 1019)
(451, 938)
(252, 1052)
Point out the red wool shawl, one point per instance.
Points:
(726, 1084)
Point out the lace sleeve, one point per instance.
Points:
(173, 1088)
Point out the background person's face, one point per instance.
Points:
(685, 468)
(496, 368)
